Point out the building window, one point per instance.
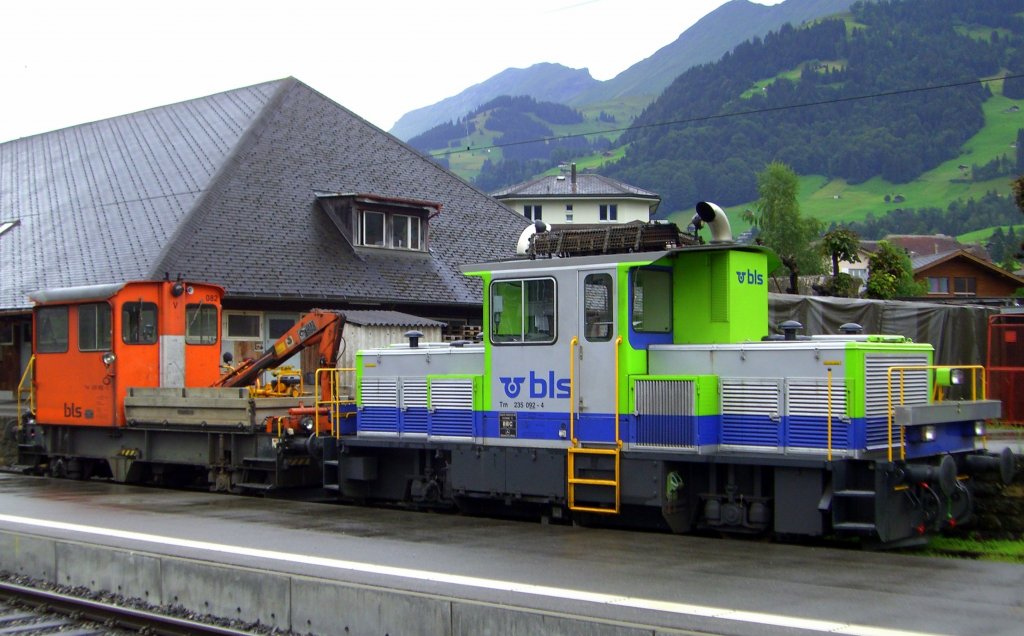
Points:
(242, 326)
(608, 212)
(277, 327)
(138, 323)
(201, 324)
(859, 273)
(391, 230)
(94, 328)
(568, 207)
(938, 285)
(568, 218)
(966, 286)
(532, 212)
(373, 228)
(523, 311)
(405, 232)
(7, 334)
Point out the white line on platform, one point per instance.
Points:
(685, 609)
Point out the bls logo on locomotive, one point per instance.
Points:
(540, 387)
(750, 278)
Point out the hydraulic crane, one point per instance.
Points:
(318, 327)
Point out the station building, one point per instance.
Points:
(274, 191)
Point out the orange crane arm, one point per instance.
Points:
(317, 327)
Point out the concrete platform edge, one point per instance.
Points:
(302, 604)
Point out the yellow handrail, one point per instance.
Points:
(572, 389)
(28, 377)
(891, 412)
(828, 392)
(618, 440)
(575, 449)
(333, 400)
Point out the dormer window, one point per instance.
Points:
(405, 232)
(371, 221)
(373, 228)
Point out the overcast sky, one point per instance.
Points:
(66, 62)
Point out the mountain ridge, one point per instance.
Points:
(553, 82)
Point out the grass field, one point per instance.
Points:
(830, 200)
(836, 200)
(1006, 551)
(982, 235)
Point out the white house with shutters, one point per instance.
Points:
(579, 198)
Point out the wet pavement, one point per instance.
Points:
(657, 580)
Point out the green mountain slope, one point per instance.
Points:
(543, 82)
(706, 41)
(841, 99)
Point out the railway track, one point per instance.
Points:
(26, 611)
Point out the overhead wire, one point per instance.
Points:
(672, 122)
(742, 113)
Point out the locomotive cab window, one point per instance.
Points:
(94, 328)
(523, 311)
(597, 303)
(200, 324)
(652, 301)
(138, 323)
(52, 330)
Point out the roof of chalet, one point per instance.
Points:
(932, 244)
(222, 189)
(921, 264)
(586, 185)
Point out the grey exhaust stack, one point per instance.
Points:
(714, 217)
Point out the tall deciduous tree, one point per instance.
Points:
(1020, 150)
(891, 274)
(781, 227)
(1018, 197)
(840, 244)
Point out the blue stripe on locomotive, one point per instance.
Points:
(669, 431)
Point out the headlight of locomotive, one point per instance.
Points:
(108, 358)
(946, 376)
(306, 423)
(957, 377)
(979, 428)
(927, 433)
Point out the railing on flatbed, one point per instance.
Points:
(27, 385)
(331, 400)
(977, 373)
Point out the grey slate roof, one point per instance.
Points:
(587, 185)
(221, 189)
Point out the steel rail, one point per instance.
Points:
(111, 615)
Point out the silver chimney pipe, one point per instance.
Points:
(716, 220)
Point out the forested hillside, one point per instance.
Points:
(840, 98)
(521, 130)
(543, 82)
(638, 85)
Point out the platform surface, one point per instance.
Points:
(707, 585)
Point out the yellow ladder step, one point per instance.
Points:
(573, 480)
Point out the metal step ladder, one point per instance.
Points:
(577, 478)
(853, 499)
(259, 474)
